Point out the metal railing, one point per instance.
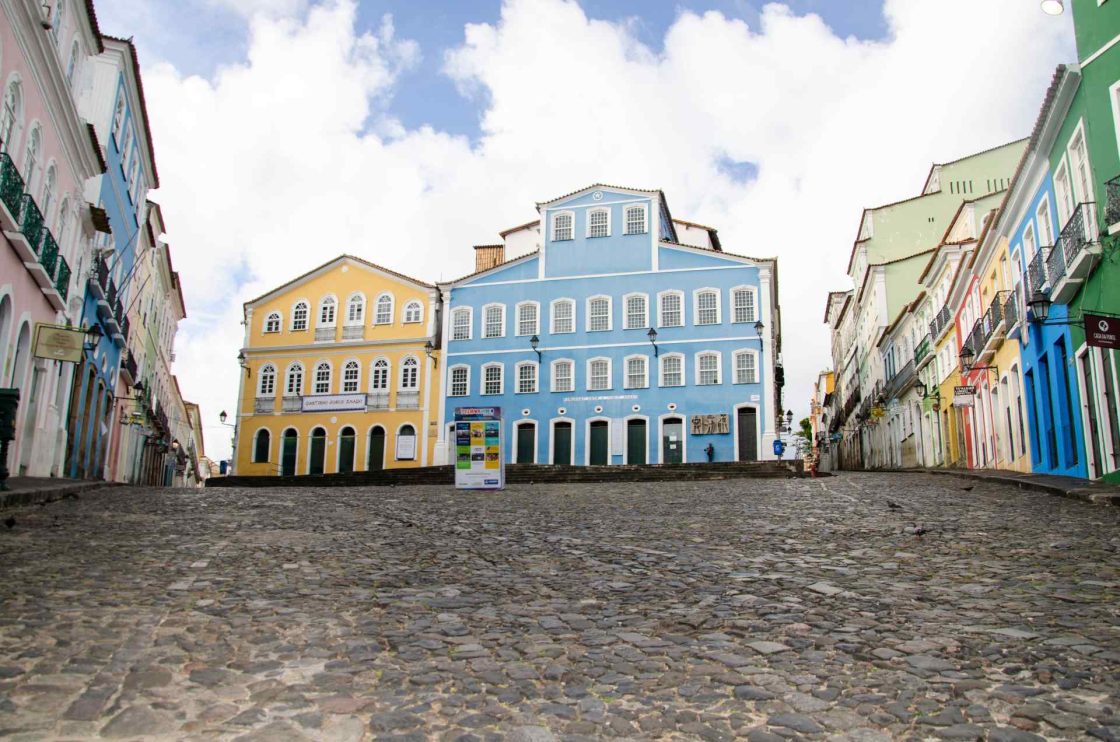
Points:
(1055, 265)
(1037, 276)
(48, 254)
(922, 350)
(941, 320)
(128, 366)
(899, 380)
(1011, 309)
(62, 278)
(992, 323)
(11, 184)
(31, 223)
(1080, 231)
(1112, 201)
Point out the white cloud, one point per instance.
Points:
(292, 157)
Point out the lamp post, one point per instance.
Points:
(93, 337)
(652, 335)
(233, 438)
(428, 350)
(243, 362)
(1039, 306)
(533, 343)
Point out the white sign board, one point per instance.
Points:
(479, 459)
(333, 402)
(406, 447)
(964, 396)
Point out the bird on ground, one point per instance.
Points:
(10, 522)
(968, 488)
(893, 505)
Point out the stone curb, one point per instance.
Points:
(22, 498)
(1111, 496)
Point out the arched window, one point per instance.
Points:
(272, 322)
(494, 321)
(379, 376)
(72, 64)
(261, 446)
(461, 324)
(492, 378)
(706, 308)
(599, 374)
(10, 111)
(413, 311)
(327, 311)
(383, 313)
(635, 219)
(563, 316)
(636, 317)
(58, 18)
(672, 369)
(746, 367)
(355, 309)
(293, 385)
(299, 316)
(61, 226)
(527, 377)
(670, 310)
(47, 199)
(323, 378)
(563, 375)
(31, 154)
(599, 223)
(598, 313)
(527, 315)
(406, 443)
(707, 368)
(562, 226)
(410, 376)
(267, 381)
(350, 376)
(637, 376)
(460, 384)
(743, 304)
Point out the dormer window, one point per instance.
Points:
(599, 223)
(562, 226)
(635, 219)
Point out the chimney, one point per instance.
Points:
(488, 256)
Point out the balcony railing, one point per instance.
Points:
(11, 186)
(1011, 310)
(62, 278)
(922, 350)
(48, 254)
(408, 400)
(992, 325)
(324, 334)
(1112, 201)
(291, 404)
(899, 381)
(1080, 231)
(1038, 278)
(31, 223)
(129, 372)
(377, 401)
(263, 405)
(351, 332)
(99, 278)
(1055, 265)
(940, 322)
(1080, 250)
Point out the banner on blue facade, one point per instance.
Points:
(479, 460)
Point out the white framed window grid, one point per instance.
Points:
(563, 316)
(563, 376)
(599, 314)
(637, 312)
(493, 321)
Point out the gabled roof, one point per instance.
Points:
(936, 165)
(334, 261)
(720, 253)
(506, 264)
(713, 233)
(519, 227)
(597, 186)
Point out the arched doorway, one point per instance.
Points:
(288, 453)
(636, 436)
(375, 459)
(318, 452)
(598, 443)
(562, 443)
(672, 440)
(346, 450)
(526, 443)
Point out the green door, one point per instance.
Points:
(526, 440)
(562, 444)
(288, 455)
(635, 441)
(376, 458)
(672, 441)
(600, 443)
(346, 451)
(318, 451)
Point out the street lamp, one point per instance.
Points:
(428, 349)
(175, 445)
(533, 343)
(789, 421)
(922, 388)
(243, 362)
(652, 335)
(1039, 306)
(222, 419)
(1053, 7)
(967, 356)
(93, 337)
(758, 328)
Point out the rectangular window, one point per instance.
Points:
(707, 308)
(527, 378)
(492, 380)
(459, 382)
(708, 369)
(562, 227)
(744, 305)
(461, 325)
(599, 377)
(636, 318)
(599, 314)
(598, 223)
(527, 319)
(636, 373)
(635, 220)
(671, 371)
(322, 380)
(494, 322)
(745, 371)
(563, 316)
(350, 378)
(562, 380)
(671, 315)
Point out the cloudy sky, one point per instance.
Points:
(405, 131)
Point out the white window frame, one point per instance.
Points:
(610, 374)
(754, 304)
(307, 318)
(1063, 170)
(597, 210)
(735, 365)
(451, 380)
(361, 304)
(377, 306)
(536, 305)
(416, 371)
(552, 315)
(501, 379)
(719, 367)
(1079, 130)
(410, 306)
(610, 313)
(555, 227)
(373, 374)
(264, 374)
(315, 377)
(293, 366)
(334, 313)
(571, 378)
(536, 376)
(486, 323)
(696, 306)
(1046, 221)
(357, 382)
(626, 371)
(660, 307)
(279, 317)
(469, 311)
(626, 311)
(661, 369)
(626, 218)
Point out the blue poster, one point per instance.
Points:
(479, 463)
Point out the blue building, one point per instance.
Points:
(1046, 348)
(114, 103)
(610, 333)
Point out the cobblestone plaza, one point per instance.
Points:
(764, 609)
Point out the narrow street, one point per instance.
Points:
(765, 609)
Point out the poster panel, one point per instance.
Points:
(479, 463)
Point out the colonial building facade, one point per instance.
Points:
(610, 333)
(340, 373)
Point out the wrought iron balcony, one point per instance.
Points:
(263, 405)
(1038, 277)
(48, 255)
(62, 278)
(1055, 265)
(1011, 311)
(129, 371)
(902, 378)
(1080, 249)
(993, 327)
(99, 278)
(941, 321)
(408, 400)
(377, 401)
(1112, 202)
(291, 404)
(324, 334)
(353, 332)
(921, 352)
(11, 192)
(28, 241)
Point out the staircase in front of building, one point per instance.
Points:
(531, 474)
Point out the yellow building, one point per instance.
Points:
(341, 373)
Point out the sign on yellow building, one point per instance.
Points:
(341, 373)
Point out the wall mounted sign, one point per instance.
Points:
(964, 396)
(1102, 332)
(406, 447)
(58, 343)
(710, 424)
(479, 463)
(333, 402)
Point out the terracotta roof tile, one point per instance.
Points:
(375, 266)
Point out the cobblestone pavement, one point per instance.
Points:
(765, 609)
